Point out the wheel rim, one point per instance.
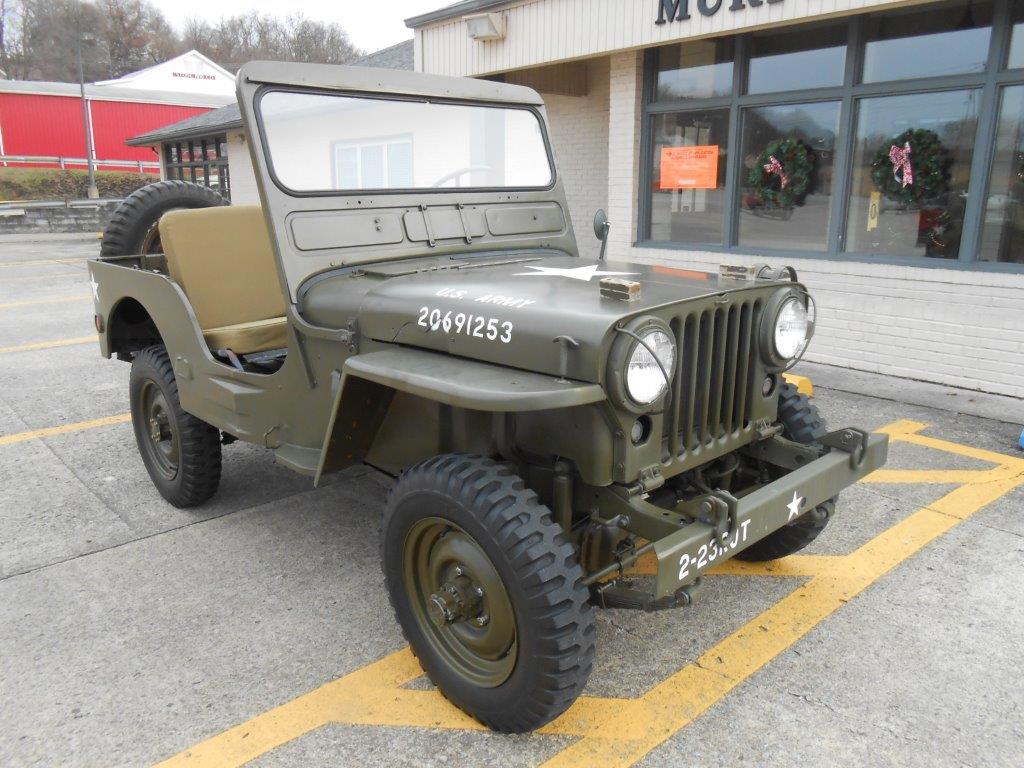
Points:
(459, 601)
(151, 241)
(159, 435)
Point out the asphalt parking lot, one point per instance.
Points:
(256, 630)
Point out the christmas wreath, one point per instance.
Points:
(912, 168)
(781, 175)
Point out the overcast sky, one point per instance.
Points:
(371, 24)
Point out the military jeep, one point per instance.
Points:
(410, 296)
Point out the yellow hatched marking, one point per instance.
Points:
(803, 385)
(615, 732)
(48, 344)
(34, 302)
(78, 426)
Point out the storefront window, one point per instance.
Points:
(1003, 234)
(688, 198)
(695, 70)
(930, 42)
(911, 169)
(1017, 41)
(787, 61)
(874, 119)
(786, 189)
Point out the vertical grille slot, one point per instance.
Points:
(742, 414)
(714, 377)
(728, 414)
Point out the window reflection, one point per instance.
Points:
(912, 203)
(943, 40)
(695, 70)
(804, 58)
(688, 177)
(1017, 41)
(1003, 233)
(786, 193)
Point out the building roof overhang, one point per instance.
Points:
(455, 11)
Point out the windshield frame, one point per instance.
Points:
(268, 157)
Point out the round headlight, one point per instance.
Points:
(645, 381)
(791, 327)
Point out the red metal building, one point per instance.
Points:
(41, 123)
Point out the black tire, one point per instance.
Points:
(554, 641)
(132, 228)
(184, 459)
(802, 423)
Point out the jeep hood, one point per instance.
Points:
(511, 311)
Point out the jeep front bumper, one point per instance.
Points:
(690, 549)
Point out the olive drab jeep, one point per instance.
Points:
(410, 296)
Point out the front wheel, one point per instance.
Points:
(180, 452)
(488, 591)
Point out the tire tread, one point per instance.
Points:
(545, 565)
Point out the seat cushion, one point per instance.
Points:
(246, 338)
(224, 262)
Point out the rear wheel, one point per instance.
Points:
(802, 423)
(180, 452)
(133, 227)
(488, 591)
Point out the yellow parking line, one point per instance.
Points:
(78, 426)
(33, 302)
(33, 262)
(48, 344)
(803, 385)
(614, 732)
(44, 276)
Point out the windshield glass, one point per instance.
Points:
(324, 142)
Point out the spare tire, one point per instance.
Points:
(132, 228)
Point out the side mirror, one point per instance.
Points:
(601, 227)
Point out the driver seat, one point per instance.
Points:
(223, 260)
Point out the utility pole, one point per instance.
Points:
(93, 192)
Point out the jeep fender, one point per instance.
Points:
(367, 383)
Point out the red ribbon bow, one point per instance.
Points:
(774, 166)
(900, 159)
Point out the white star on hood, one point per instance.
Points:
(576, 273)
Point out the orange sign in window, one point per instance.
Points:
(689, 167)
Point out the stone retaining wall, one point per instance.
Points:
(56, 216)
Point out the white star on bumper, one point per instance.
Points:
(576, 273)
(794, 505)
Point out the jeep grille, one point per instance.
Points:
(715, 378)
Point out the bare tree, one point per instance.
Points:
(234, 40)
(320, 42)
(135, 35)
(39, 39)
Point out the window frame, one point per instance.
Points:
(990, 83)
(397, 97)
